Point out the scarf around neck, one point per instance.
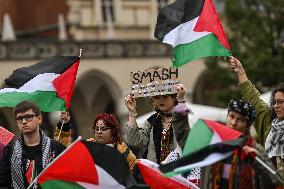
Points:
(156, 121)
(17, 171)
(274, 144)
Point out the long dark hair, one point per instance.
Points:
(279, 88)
(111, 121)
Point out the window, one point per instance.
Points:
(108, 10)
(162, 3)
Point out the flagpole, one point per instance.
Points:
(58, 137)
(62, 153)
(265, 165)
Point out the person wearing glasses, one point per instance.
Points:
(29, 153)
(107, 131)
(269, 122)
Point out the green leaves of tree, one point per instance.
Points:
(253, 28)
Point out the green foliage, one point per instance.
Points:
(253, 29)
(219, 83)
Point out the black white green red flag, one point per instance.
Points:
(49, 83)
(5, 136)
(88, 165)
(154, 178)
(207, 143)
(193, 29)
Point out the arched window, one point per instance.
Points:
(108, 10)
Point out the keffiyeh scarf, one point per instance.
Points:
(193, 175)
(274, 144)
(16, 160)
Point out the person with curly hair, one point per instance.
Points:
(106, 130)
(269, 122)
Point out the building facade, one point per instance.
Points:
(116, 37)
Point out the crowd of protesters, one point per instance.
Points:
(160, 139)
(250, 174)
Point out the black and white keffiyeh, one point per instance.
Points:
(174, 155)
(274, 144)
(16, 160)
(193, 174)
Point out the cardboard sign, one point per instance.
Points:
(154, 82)
(5, 135)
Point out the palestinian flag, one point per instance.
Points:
(156, 180)
(5, 136)
(87, 165)
(208, 142)
(49, 84)
(193, 29)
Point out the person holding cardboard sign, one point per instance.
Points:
(154, 140)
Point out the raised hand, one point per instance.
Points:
(130, 103)
(249, 150)
(181, 92)
(64, 117)
(249, 154)
(236, 66)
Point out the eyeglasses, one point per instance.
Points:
(27, 117)
(278, 102)
(102, 129)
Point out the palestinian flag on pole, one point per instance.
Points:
(208, 142)
(49, 84)
(87, 165)
(193, 29)
(156, 180)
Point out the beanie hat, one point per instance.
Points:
(244, 108)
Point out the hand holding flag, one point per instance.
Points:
(248, 153)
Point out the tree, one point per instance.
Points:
(254, 30)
